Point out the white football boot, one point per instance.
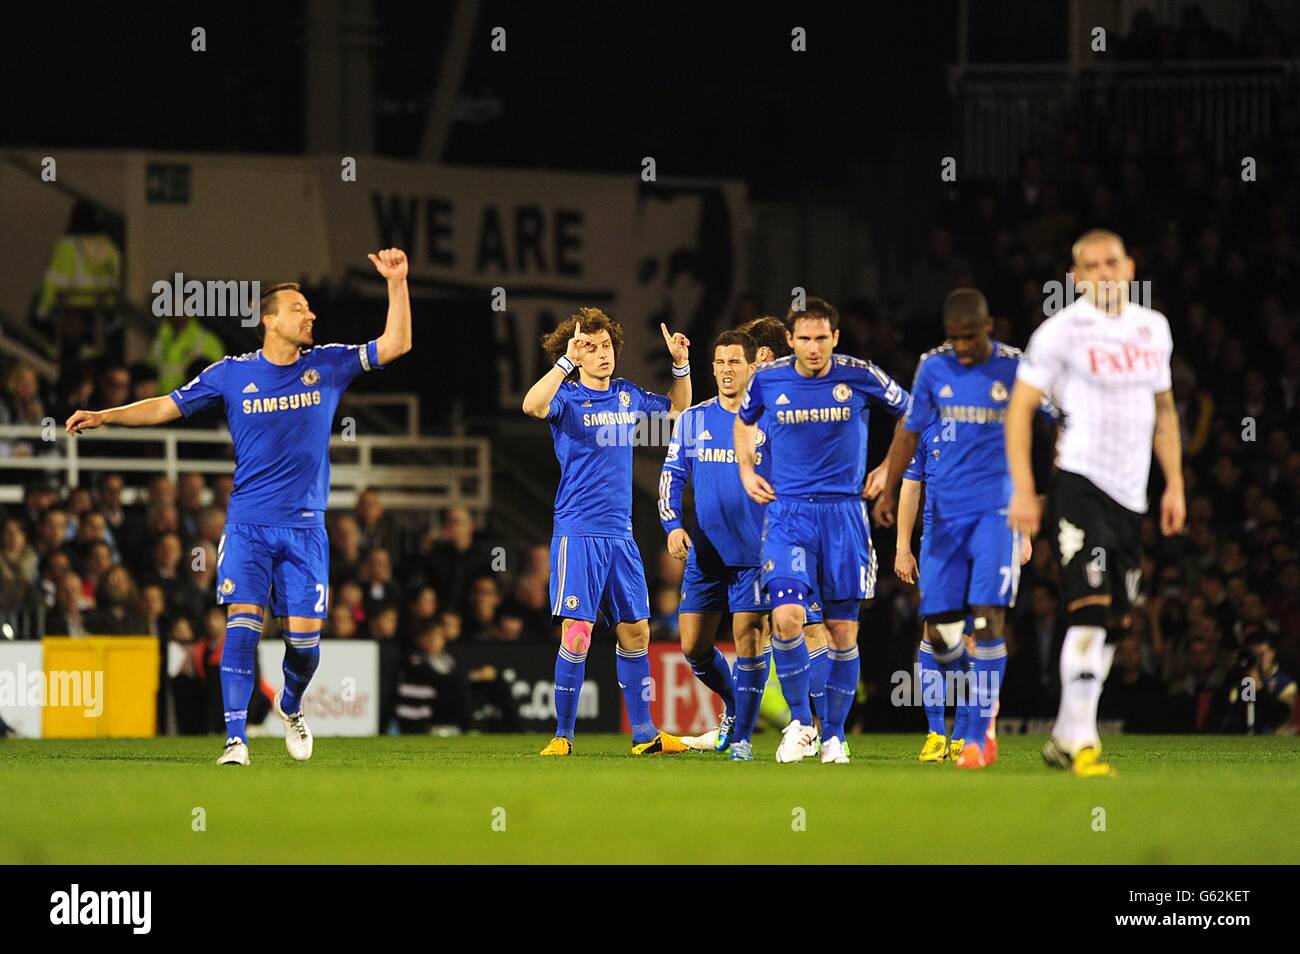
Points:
(235, 753)
(701, 743)
(833, 751)
(795, 739)
(297, 737)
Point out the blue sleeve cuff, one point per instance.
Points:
(370, 359)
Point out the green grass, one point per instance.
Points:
(1178, 799)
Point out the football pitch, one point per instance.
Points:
(491, 799)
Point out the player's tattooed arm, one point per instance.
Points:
(391, 263)
(1025, 510)
(147, 413)
(679, 346)
(1167, 443)
(909, 502)
(537, 402)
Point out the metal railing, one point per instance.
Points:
(1007, 110)
(410, 473)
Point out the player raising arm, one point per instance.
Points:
(280, 402)
(595, 564)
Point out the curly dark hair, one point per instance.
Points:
(556, 343)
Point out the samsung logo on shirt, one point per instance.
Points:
(603, 418)
(973, 414)
(720, 455)
(814, 415)
(285, 402)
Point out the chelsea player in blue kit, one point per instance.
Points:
(772, 342)
(280, 402)
(595, 562)
(815, 532)
(969, 556)
(722, 556)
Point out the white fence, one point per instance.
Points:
(410, 473)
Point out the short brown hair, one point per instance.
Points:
(767, 332)
(267, 306)
(734, 337)
(813, 308)
(556, 343)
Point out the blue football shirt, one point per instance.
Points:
(817, 427)
(594, 434)
(961, 413)
(729, 525)
(280, 418)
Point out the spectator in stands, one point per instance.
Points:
(187, 672)
(83, 280)
(480, 615)
(22, 404)
(70, 604)
(92, 527)
(53, 568)
(211, 527)
(1132, 695)
(432, 693)
(116, 614)
(195, 593)
(181, 342)
(144, 381)
(454, 556)
(19, 561)
(108, 501)
(19, 565)
(377, 581)
(351, 597)
(530, 603)
(39, 495)
(153, 609)
(165, 569)
(421, 608)
(96, 561)
(382, 624)
(189, 500)
(376, 526)
(340, 624)
(345, 548)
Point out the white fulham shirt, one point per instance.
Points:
(1103, 372)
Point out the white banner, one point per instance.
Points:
(20, 663)
(343, 698)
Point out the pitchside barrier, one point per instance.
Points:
(86, 687)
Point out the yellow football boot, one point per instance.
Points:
(661, 744)
(954, 749)
(558, 746)
(1088, 764)
(935, 748)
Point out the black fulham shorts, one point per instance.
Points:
(1097, 542)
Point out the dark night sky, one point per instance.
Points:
(713, 92)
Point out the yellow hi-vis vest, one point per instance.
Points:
(84, 271)
(173, 353)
